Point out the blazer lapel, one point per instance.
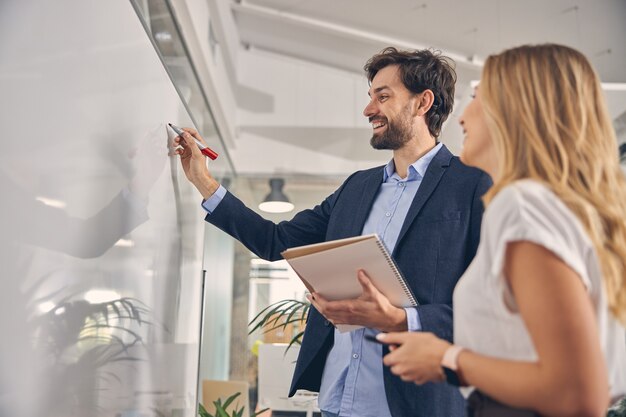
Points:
(433, 175)
(369, 191)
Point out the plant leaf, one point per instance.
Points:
(259, 412)
(297, 339)
(290, 316)
(230, 399)
(220, 412)
(202, 412)
(269, 312)
(265, 309)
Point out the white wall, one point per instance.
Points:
(305, 120)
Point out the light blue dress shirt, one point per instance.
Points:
(211, 203)
(352, 381)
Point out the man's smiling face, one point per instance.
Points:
(390, 110)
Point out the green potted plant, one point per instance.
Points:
(279, 315)
(221, 410)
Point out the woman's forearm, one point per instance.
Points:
(534, 386)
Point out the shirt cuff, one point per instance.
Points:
(413, 320)
(211, 203)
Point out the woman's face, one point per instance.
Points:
(478, 149)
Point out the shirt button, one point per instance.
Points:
(401, 184)
(355, 355)
(387, 214)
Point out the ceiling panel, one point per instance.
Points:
(473, 27)
(343, 34)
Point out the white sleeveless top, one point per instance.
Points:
(486, 318)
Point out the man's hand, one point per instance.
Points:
(194, 163)
(371, 309)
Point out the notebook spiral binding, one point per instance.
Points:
(397, 272)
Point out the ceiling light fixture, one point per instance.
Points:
(101, 296)
(163, 36)
(614, 86)
(276, 201)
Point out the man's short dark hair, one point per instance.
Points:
(421, 70)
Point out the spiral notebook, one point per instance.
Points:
(330, 269)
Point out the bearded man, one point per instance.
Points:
(426, 207)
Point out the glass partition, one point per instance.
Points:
(160, 24)
(101, 234)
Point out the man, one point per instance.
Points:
(426, 207)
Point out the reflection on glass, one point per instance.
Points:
(100, 242)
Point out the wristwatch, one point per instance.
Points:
(450, 366)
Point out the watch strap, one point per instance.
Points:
(450, 365)
(451, 356)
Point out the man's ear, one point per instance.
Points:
(424, 101)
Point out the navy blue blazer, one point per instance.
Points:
(437, 241)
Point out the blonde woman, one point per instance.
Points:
(537, 314)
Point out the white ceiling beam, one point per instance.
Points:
(227, 35)
(346, 32)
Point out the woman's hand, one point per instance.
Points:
(415, 356)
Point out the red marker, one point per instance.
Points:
(204, 149)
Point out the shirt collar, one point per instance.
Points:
(416, 170)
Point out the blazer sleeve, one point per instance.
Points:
(437, 318)
(267, 239)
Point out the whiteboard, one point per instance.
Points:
(100, 233)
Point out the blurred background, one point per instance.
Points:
(277, 88)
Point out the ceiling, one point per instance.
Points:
(342, 34)
(344, 31)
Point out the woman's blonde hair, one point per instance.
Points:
(547, 116)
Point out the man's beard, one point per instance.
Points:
(396, 135)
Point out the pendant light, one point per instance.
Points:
(276, 201)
